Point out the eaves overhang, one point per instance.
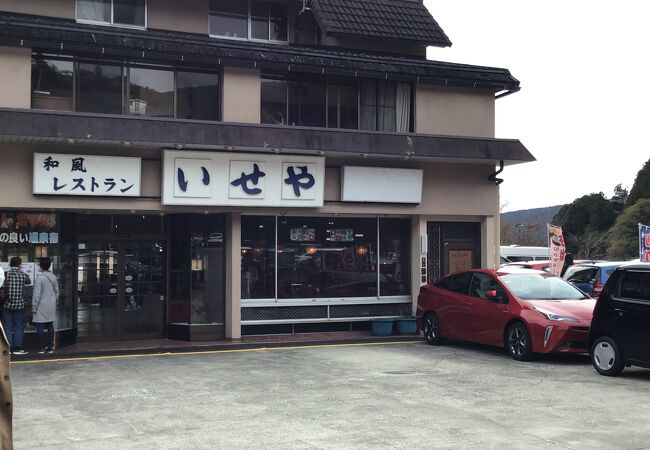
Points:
(67, 37)
(22, 126)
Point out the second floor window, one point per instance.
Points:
(69, 84)
(249, 19)
(130, 13)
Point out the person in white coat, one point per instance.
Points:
(46, 294)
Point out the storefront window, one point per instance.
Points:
(151, 92)
(197, 96)
(99, 88)
(31, 236)
(52, 84)
(326, 258)
(197, 271)
(394, 247)
(258, 257)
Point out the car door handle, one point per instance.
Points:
(620, 312)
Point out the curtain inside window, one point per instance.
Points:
(95, 10)
(403, 107)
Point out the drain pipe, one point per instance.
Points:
(494, 178)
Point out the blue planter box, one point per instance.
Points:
(382, 327)
(406, 327)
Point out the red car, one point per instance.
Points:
(526, 311)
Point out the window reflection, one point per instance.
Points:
(52, 84)
(99, 88)
(324, 258)
(394, 267)
(151, 92)
(258, 257)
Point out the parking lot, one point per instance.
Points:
(401, 395)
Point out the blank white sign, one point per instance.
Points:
(381, 185)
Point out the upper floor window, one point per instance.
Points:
(118, 88)
(366, 105)
(130, 13)
(253, 19)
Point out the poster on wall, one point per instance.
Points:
(556, 248)
(28, 268)
(644, 243)
(460, 260)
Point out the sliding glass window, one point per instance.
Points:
(70, 84)
(385, 106)
(151, 92)
(255, 19)
(99, 88)
(197, 96)
(130, 13)
(321, 257)
(52, 84)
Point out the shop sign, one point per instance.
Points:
(238, 179)
(28, 228)
(381, 185)
(74, 174)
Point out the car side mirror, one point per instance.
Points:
(491, 294)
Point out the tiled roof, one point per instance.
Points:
(402, 20)
(155, 46)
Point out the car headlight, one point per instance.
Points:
(553, 316)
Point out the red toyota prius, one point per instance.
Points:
(526, 311)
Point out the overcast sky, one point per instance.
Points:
(584, 107)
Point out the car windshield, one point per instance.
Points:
(540, 286)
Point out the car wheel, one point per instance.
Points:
(431, 329)
(518, 342)
(607, 357)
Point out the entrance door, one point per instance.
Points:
(120, 290)
(453, 247)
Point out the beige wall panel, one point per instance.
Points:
(233, 276)
(64, 9)
(241, 93)
(15, 77)
(458, 112)
(190, 17)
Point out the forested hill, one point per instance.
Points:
(527, 226)
(530, 216)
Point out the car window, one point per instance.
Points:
(442, 283)
(636, 285)
(581, 274)
(605, 274)
(460, 283)
(482, 283)
(541, 286)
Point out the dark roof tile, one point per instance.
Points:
(403, 20)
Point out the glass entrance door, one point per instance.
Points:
(120, 290)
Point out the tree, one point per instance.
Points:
(592, 245)
(620, 197)
(589, 213)
(624, 236)
(641, 187)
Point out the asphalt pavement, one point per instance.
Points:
(367, 396)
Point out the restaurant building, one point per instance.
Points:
(217, 168)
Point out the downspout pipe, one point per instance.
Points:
(493, 177)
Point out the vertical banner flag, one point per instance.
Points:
(644, 243)
(556, 248)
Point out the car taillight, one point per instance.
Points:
(598, 288)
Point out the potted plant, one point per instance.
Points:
(382, 327)
(406, 325)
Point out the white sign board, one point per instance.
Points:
(242, 179)
(381, 185)
(74, 174)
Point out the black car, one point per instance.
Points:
(619, 336)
